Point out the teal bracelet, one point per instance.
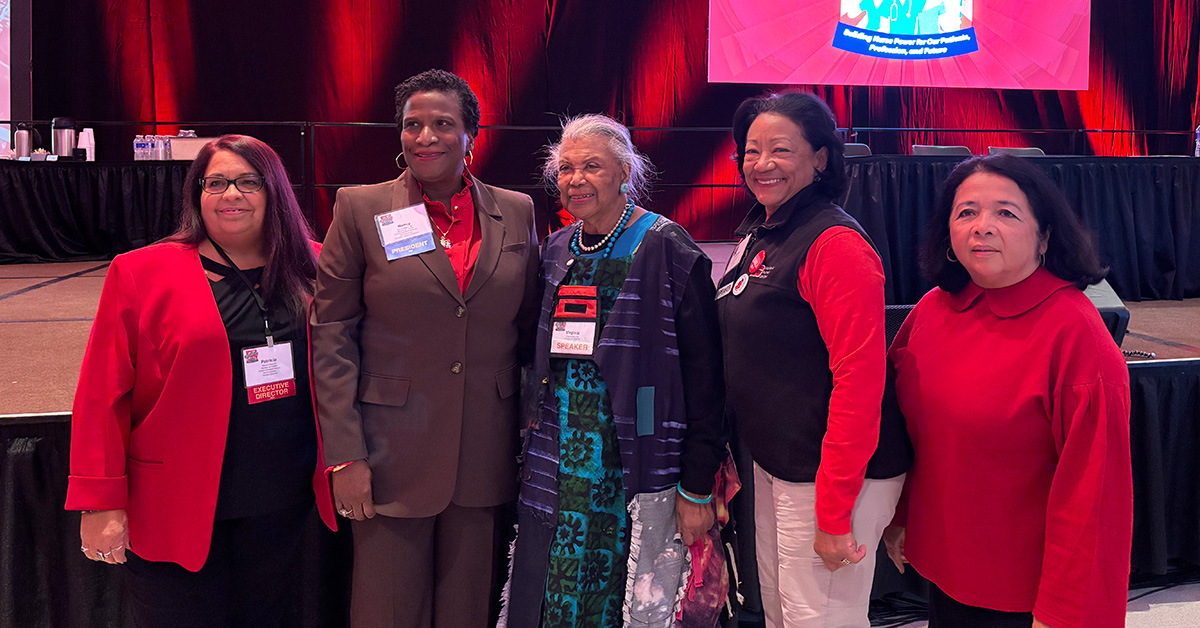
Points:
(706, 500)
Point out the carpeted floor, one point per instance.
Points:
(1169, 329)
(46, 312)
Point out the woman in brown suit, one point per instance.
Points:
(426, 300)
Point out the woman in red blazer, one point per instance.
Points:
(194, 450)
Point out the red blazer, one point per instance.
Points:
(152, 408)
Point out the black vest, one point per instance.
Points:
(776, 363)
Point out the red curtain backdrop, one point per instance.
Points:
(532, 61)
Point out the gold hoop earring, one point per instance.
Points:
(470, 159)
(950, 255)
(398, 157)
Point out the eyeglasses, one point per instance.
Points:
(246, 184)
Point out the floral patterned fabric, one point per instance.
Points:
(585, 586)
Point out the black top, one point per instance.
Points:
(698, 333)
(777, 364)
(271, 450)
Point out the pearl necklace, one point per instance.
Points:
(609, 240)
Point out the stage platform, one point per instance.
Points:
(46, 312)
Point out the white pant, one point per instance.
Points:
(797, 589)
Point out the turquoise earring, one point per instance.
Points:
(624, 188)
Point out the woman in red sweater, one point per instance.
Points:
(1019, 504)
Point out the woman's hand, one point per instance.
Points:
(103, 535)
(352, 491)
(893, 539)
(838, 551)
(692, 520)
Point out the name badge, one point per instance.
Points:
(269, 372)
(575, 324)
(405, 232)
(736, 258)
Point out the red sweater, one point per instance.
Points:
(842, 279)
(1020, 497)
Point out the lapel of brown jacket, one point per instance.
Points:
(406, 193)
(491, 235)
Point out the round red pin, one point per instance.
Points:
(757, 262)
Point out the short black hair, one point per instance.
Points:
(1070, 250)
(815, 120)
(446, 83)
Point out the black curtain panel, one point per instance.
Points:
(1142, 210)
(54, 212)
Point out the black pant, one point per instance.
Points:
(251, 577)
(947, 612)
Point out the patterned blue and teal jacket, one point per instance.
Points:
(638, 358)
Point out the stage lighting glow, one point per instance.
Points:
(999, 44)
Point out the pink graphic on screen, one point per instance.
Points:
(5, 72)
(1000, 44)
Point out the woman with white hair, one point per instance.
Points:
(624, 428)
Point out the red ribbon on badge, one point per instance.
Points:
(271, 392)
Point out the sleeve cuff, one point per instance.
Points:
(699, 485)
(97, 493)
(337, 467)
(836, 527)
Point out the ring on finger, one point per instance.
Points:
(846, 561)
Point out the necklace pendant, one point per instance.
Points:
(445, 242)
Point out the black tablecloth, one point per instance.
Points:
(45, 580)
(1144, 211)
(72, 211)
(1165, 440)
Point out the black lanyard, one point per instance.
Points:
(258, 300)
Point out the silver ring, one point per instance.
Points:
(346, 513)
(846, 561)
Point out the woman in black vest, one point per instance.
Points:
(801, 308)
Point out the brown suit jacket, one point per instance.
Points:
(411, 374)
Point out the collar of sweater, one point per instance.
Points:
(1013, 300)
